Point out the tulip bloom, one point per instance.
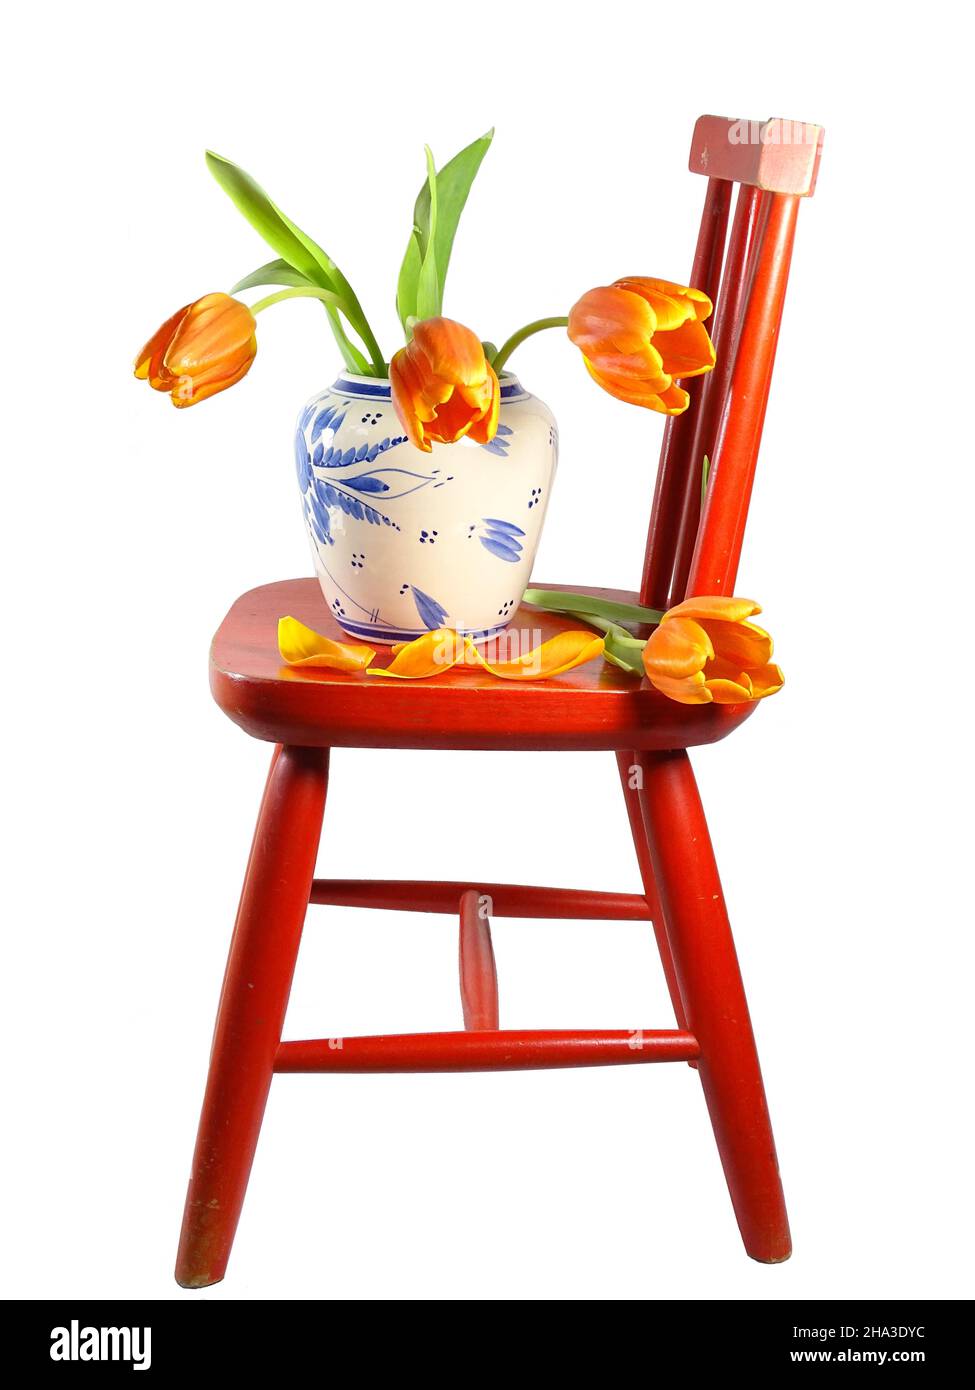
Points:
(443, 386)
(203, 349)
(638, 337)
(704, 650)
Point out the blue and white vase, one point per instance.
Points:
(405, 541)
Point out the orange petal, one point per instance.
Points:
(558, 654)
(404, 388)
(745, 644)
(484, 430)
(149, 363)
(302, 646)
(660, 395)
(669, 310)
(429, 655)
(610, 316)
(696, 300)
(723, 606)
(678, 648)
(692, 690)
(215, 329)
(673, 401)
(452, 421)
(686, 351)
(188, 390)
(725, 692)
(454, 352)
(766, 681)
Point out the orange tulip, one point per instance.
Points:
(443, 386)
(705, 651)
(639, 336)
(203, 349)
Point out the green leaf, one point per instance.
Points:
(453, 184)
(428, 284)
(274, 273)
(620, 647)
(351, 355)
(409, 278)
(291, 243)
(281, 234)
(705, 474)
(608, 609)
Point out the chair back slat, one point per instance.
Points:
(693, 549)
(736, 279)
(668, 500)
(714, 565)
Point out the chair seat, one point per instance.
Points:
(596, 706)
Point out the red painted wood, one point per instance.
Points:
(252, 1008)
(714, 1001)
(595, 706)
(777, 155)
(478, 973)
(715, 563)
(627, 763)
(507, 899)
(676, 452)
(489, 1051)
(732, 298)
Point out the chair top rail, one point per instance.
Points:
(777, 156)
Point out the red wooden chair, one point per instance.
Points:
(689, 551)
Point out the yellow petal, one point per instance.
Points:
(558, 654)
(429, 655)
(302, 646)
(722, 606)
(649, 287)
(725, 692)
(766, 681)
(691, 690)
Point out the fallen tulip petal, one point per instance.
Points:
(558, 654)
(429, 655)
(302, 646)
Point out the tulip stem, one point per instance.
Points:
(516, 339)
(297, 292)
(333, 302)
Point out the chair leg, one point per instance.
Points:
(252, 1007)
(714, 999)
(634, 810)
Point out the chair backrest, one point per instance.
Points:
(694, 549)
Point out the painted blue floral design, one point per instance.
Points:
(303, 462)
(431, 612)
(346, 493)
(329, 418)
(501, 539)
(334, 457)
(501, 442)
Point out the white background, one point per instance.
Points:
(841, 811)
